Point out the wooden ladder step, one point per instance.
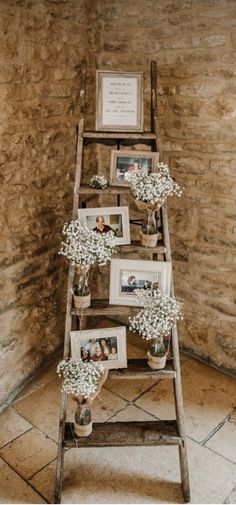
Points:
(85, 189)
(119, 135)
(99, 307)
(130, 433)
(139, 369)
(136, 247)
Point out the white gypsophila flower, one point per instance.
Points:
(157, 317)
(80, 378)
(84, 246)
(99, 182)
(154, 187)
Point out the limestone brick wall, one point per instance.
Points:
(42, 44)
(193, 42)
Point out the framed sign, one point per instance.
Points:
(119, 101)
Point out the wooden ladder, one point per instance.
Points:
(148, 433)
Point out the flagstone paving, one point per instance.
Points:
(29, 431)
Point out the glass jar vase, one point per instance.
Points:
(81, 290)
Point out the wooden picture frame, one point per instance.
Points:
(119, 101)
(126, 276)
(123, 162)
(88, 346)
(116, 219)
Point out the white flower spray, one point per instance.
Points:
(85, 247)
(155, 187)
(157, 317)
(79, 378)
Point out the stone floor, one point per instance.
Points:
(28, 442)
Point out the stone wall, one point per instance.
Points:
(42, 44)
(193, 42)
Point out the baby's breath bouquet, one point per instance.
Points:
(99, 182)
(80, 379)
(154, 188)
(83, 382)
(155, 321)
(84, 247)
(150, 192)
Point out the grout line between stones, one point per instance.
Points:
(24, 479)
(217, 428)
(14, 439)
(210, 449)
(37, 428)
(137, 397)
(232, 490)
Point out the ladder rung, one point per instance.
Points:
(119, 135)
(130, 433)
(136, 246)
(99, 307)
(85, 189)
(139, 369)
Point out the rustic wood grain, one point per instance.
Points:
(132, 433)
(139, 369)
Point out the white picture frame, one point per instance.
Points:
(116, 219)
(128, 275)
(91, 340)
(119, 101)
(123, 162)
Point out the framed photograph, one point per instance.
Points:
(125, 162)
(113, 220)
(119, 101)
(103, 344)
(128, 276)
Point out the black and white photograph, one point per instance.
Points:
(104, 344)
(113, 220)
(128, 277)
(124, 163)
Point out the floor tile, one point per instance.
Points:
(129, 389)
(42, 408)
(105, 405)
(30, 452)
(232, 497)
(30, 388)
(44, 481)
(232, 418)
(13, 489)
(130, 475)
(11, 426)
(224, 441)
(209, 396)
(211, 476)
(132, 413)
(135, 352)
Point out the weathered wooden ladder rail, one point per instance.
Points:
(148, 433)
